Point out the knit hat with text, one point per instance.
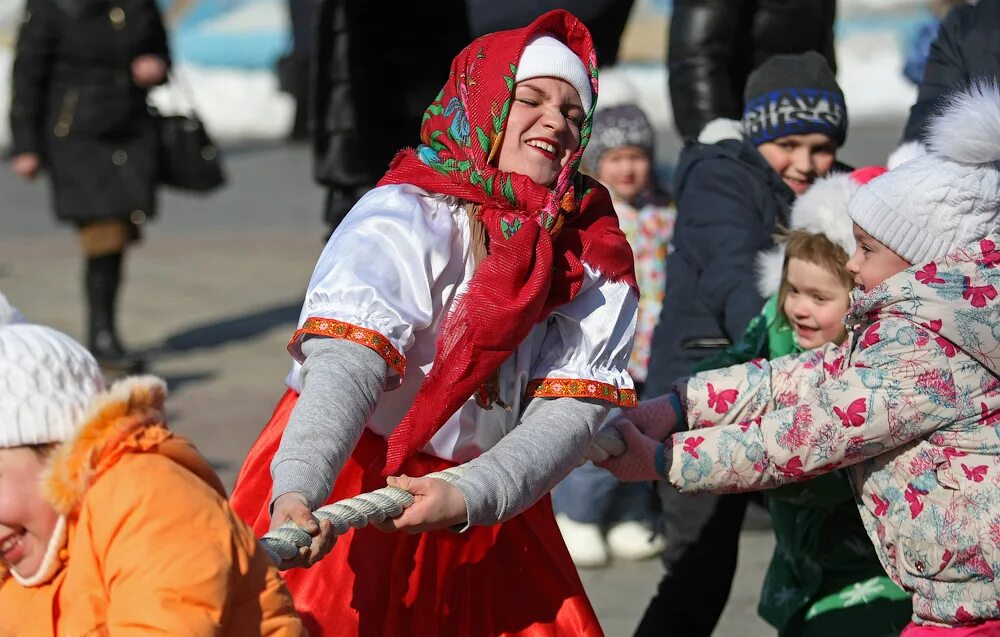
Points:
(949, 197)
(793, 95)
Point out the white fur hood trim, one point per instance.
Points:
(719, 130)
(820, 210)
(8, 313)
(823, 210)
(769, 268)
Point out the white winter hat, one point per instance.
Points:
(8, 313)
(949, 197)
(545, 56)
(47, 383)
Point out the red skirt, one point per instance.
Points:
(514, 578)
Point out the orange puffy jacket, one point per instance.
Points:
(152, 546)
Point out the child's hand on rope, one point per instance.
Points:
(658, 417)
(293, 507)
(436, 505)
(645, 458)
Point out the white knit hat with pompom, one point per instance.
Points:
(47, 383)
(934, 203)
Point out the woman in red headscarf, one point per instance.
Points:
(477, 307)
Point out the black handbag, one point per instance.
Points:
(189, 159)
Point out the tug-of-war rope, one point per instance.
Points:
(284, 542)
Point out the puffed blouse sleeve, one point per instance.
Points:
(587, 344)
(375, 281)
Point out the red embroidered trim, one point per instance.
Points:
(369, 338)
(579, 388)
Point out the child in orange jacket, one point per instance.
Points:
(108, 522)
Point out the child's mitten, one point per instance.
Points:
(658, 417)
(644, 459)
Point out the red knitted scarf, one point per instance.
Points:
(539, 237)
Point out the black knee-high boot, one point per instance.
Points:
(102, 279)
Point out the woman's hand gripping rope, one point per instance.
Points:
(304, 537)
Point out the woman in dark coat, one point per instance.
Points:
(81, 73)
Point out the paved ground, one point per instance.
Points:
(214, 293)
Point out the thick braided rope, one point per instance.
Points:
(285, 541)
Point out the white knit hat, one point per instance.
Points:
(545, 56)
(949, 197)
(9, 313)
(47, 382)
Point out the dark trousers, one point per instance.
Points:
(703, 533)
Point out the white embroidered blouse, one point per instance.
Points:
(389, 275)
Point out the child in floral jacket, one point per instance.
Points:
(824, 571)
(909, 404)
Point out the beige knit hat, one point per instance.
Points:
(949, 197)
(47, 383)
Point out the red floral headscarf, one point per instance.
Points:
(539, 237)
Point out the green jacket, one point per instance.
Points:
(824, 576)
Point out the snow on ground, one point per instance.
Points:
(870, 71)
(851, 8)
(233, 104)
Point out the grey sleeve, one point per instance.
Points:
(341, 383)
(529, 461)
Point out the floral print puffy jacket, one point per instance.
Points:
(910, 404)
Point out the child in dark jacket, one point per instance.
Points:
(734, 187)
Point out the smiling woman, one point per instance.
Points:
(544, 126)
(500, 313)
(543, 130)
